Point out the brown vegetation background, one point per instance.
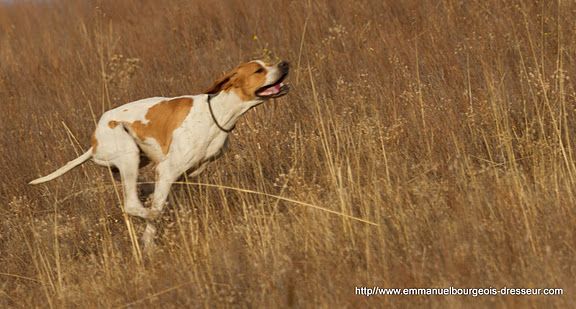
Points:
(449, 124)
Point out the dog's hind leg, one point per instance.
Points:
(127, 164)
(116, 148)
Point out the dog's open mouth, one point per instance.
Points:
(275, 90)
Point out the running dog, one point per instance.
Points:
(180, 134)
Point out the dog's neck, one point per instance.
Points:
(227, 108)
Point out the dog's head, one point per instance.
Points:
(254, 80)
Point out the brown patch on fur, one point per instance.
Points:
(163, 118)
(93, 142)
(112, 124)
(244, 80)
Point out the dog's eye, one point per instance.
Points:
(260, 70)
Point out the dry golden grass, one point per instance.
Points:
(448, 123)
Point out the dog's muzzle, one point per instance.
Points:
(277, 88)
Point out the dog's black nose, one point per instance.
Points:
(284, 66)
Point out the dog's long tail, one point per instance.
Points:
(70, 165)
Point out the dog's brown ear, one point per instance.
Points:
(223, 83)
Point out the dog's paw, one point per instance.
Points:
(148, 239)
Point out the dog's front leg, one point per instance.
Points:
(158, 201)
(161, 191)
(165, 176)
(148, 236)
(198, 171)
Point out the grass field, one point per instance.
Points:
(424, 144)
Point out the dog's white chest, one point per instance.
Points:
(217, 147)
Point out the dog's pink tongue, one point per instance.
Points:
(272, 90)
